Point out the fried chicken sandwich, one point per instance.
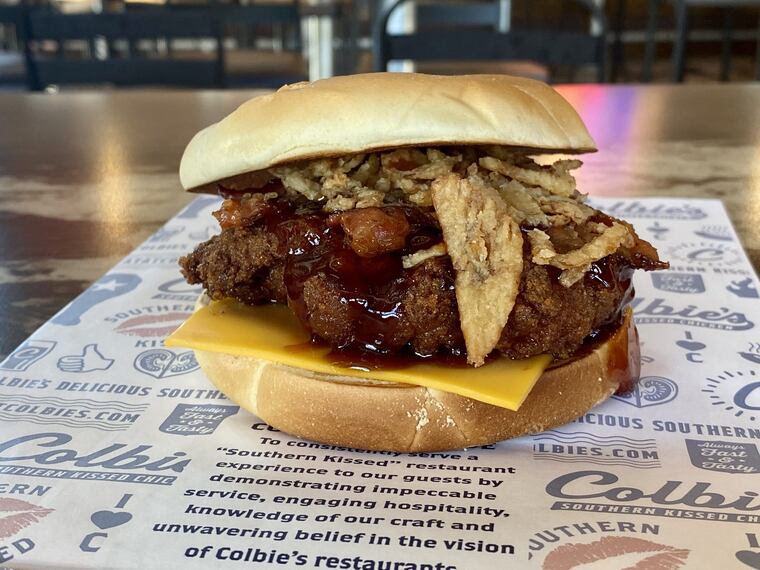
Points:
(396, 271)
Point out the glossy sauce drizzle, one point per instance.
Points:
(371, 287)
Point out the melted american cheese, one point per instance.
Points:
(273, 333)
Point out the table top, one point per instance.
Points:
(85, 177)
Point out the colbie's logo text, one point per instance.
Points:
(601, 491)
(637, 209)
(53, 455)
(658, 311)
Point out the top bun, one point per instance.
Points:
(374, 111)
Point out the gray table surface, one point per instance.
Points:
(86, 177)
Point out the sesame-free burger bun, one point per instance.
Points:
(367, 414)
(374, 111)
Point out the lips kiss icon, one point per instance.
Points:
(16, 515)
(152, 326)
(623, 552)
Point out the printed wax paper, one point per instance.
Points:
(116, 452)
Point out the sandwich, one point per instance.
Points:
(404, 263)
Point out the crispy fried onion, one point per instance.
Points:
(555, 178)
(367, 180)
(485, 246)
(539, 196)
(418, 257)
(575, 263)
(482, 196)
(405, 176)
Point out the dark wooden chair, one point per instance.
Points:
(251, 67)
(242, 25)
(467, 31)
(258, 14)
(12, 17)
(681, 13)
(124, 63)
(12, 37)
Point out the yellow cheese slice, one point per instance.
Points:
(273, 333)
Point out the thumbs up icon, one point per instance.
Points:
(90, 360)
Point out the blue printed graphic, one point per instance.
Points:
(692, 347)
(63, 450)
(561, 446)
(196, 419)
(719, 233)
(132, 462)
(658, 230)
(105, 288)
(178, 290)
(27, 354)
(89, 360)
(707, 253)
(724, 456)
(752, 354)
(196, 207)
(109, 519)
(105, 520)
(75, 413)
(164, 363)
(749, 558)
(204, 234)
(737, 392)
(743, 288)
(650, 391)
(661, 211)
(678, 282)
(657, 311)
(165, 234)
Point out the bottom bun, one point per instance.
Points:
(384, 416)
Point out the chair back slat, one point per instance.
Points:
(11, 15)
(539, 46)
(473, 14)
(468, 30)
(261, 14)
(128, 72)
(131, 67)
(136, 25)
(91, 48)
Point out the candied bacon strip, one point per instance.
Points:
(373, 231)
(236, 213)
(642, 254)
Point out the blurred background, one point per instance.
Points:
(69, 44)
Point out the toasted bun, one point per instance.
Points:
(357, 113)
(387, 416)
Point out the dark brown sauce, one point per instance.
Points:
(358, 359)
(623, 362)
(371, 288)
(362, 360)
(626, 365)
(598, 336)
(602, 274)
